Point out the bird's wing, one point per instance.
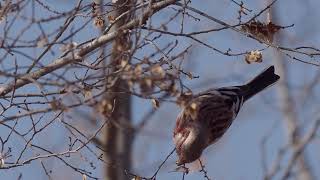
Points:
(217, 113)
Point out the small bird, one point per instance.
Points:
(207, 115)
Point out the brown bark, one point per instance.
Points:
(118, 142)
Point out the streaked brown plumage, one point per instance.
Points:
(208, 115)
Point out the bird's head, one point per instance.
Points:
(190, 142)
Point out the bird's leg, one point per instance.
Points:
(182, 168)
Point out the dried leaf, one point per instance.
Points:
(42, 42)
(87, 94)
(190, 75)
(56, 104)
(148, 82)
(173, 90)
(98, 22)
(105, 107)
(157, 70)
(111, 19)
(2, 163)
(123, 63)
(84, 177)
(253, 56)
(146, 86)
(138, 70)
(137, 178)
(128, 67)
(261, 30)
(155, 103)
(109, 107)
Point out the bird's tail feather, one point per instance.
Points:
(259, 83)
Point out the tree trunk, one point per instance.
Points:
(118, 142)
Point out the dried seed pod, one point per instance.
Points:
(262, 31)
(253, 56)
(105, 107)
(42, 41)
(138, 70)
(155, 103)
(157, 70)
(99, 22)
(146, 86)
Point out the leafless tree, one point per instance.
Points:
(72, 70)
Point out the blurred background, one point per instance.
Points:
(111, 114)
